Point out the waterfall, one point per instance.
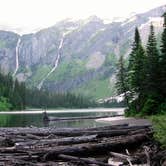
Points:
(17, 56)
(55, 64)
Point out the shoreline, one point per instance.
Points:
(123, 120)
(118, 110)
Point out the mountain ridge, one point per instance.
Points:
(87, 56)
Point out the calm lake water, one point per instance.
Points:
(35, 118)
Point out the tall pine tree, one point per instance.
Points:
(163, 61)
(136, 73)
(152, 65)
(121, 83)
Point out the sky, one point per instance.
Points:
(30, 15)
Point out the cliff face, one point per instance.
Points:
(76, 56)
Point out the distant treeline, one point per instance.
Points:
(12, 93)
(15, 96)
(45, 99)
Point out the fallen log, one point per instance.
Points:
(107, 127)
(99, 133)
(42, 132)
(71, 133)
(84, 160)
(97, 148)
(125, 159)
(121, 156)
(46, 144)
(60, 141)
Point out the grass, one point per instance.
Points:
(67, 70)
(159, 124)
(39, 74)
(96, 89)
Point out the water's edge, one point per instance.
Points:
(118, 110)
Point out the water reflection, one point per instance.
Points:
(76, 123)
(24, 120)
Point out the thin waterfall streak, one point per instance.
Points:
(17, 56)
(55, 64)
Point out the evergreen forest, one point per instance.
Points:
(143, 79)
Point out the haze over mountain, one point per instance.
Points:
(76, 56)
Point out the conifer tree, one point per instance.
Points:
(163, 60)
(152, 63)
(121, 83)
(135, 45)
(136, 67)
(136, 72)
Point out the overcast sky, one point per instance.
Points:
(34, 14)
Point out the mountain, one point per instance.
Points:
(76, 56)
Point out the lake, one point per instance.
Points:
(35, 117)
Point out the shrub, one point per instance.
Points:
(150, 107)
(162, 108)
(159, 122)
(4, 104)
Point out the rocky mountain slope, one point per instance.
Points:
(76, 56)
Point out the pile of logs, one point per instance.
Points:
(105, 146)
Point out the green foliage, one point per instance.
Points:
(162, 108)
(136, 67)
(159, 122)
(97, 88)
(39, 74)
(68, 70)
(162, 63)
(15, 96)
(152, 64)
(110, 60)
(132, 78)
(44, 99)
(150, 106)
(4, 104)
(12, 93)
(121, 77)
(146, 76)
(132, 112)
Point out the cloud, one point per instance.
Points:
(32, 14)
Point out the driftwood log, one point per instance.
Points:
(84, 160)
(97, 148)
(49, 146)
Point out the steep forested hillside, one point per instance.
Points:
(15, 96)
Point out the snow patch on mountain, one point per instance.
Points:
(118, 99)
(128, 20)
(156, 21)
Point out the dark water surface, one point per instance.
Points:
(35, 118)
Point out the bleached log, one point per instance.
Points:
(97, 148)
(85, 160)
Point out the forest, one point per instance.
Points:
(15, 96)
(143, 79)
